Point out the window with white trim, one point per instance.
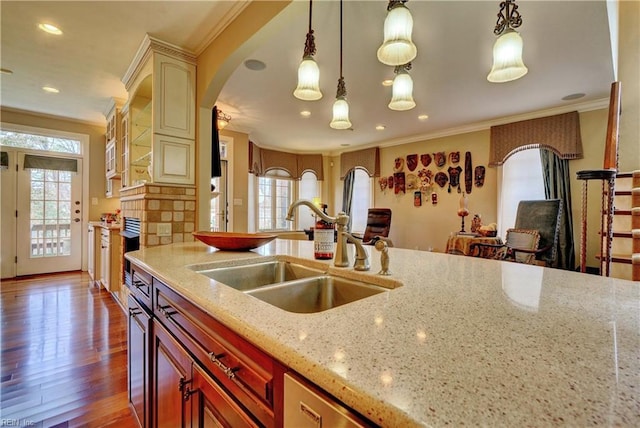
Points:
(521, 181)
(275, 194)
(308, 188)
(362, 200)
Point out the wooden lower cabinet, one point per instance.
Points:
(187, 369)
(185, 395)
(212, 406)
(139, 360)
(171, 381)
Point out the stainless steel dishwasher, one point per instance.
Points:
(307, 406)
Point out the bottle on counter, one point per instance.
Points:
(323, 237)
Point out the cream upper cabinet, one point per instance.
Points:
(174, 97)
(113, 149)
(160, 141)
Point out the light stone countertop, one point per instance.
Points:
(462, 341)
(105, 225)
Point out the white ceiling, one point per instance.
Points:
(567, 51)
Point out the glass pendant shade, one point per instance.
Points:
(340, 114)
(402, 92)
(308, 88)
(397, 48)
(507, 58)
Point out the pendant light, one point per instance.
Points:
(397, 48)
(507, 51)
(308, 88)
(402, 90)
(340, 106)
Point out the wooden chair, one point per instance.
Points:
(534, 238)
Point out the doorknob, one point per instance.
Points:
(77, 211)
(76, 220)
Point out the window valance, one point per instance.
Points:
(559, 133)
(368, 159)
(263, 160)
(46, 162)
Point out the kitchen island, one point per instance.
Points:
(455, 340)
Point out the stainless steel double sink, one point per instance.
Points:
(293, 287)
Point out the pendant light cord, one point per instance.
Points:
(341, 76)
(310, 12)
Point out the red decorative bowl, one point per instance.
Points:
(230, 241)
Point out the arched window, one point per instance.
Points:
(308, 188)
(275, 194)
(362, 200)
(521, 180)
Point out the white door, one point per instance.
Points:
(49, 221)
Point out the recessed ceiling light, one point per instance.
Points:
(380, 127)
(573, 96)
(50, 89)
(387, 82)
(50, 28)
(255, 65)
(345, 144)
(305, 113)
(6, 71)
(423, 117)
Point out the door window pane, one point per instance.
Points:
(50, 213)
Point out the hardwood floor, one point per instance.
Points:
(63, 354)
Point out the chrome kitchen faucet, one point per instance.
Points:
(341, 258)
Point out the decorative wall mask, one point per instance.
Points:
(412, 182)
(434, 198)
(425, 159)
(398, 165)
(454, 178)
(468, 168)
(441, 178)
(398, 182)
(382, 182)
(479, 175)
(454, 157)
(426, 177)
(390, 182)
(440, 159)
(412, 162)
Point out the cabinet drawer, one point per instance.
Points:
(245, 371)
(141, 286)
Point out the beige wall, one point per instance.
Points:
(95, 157)
(428, 226)
(629, 76)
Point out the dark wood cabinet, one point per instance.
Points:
(171, 381)
(139, 361)
(213, 407)
(187, 369)
(252, 377)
